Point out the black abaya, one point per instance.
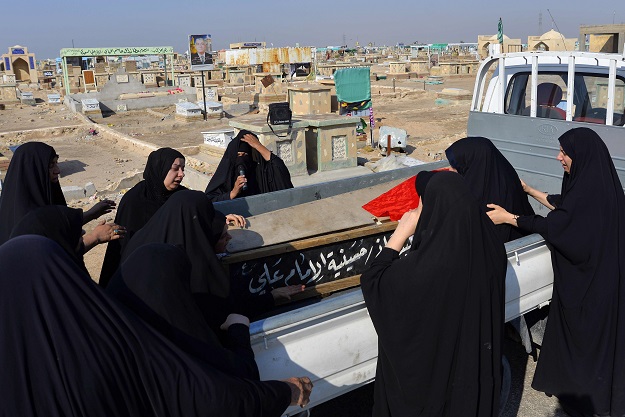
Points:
(189, 220)
(262, 176)
(139, 204)
(491, 178)
(59, 223)
(583, 351)
(66, 349)
(154, 283)
(439, 311)
(27, 185)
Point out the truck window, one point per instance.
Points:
(590, 97)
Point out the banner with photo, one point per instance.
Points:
(200, 52)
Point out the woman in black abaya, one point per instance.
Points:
(162, 176)
(263, 171)
(188, 220)
(582, 360)
(32, 181)
(66, 349)
(438, 311)
(491, 179)
(154, 283)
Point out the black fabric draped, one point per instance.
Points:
(439, 311)
(154, 283)
(583, 352)
(27, 185)
(59, 223)
(189, 220)
(262, 176)
(139, 204)
(491, 178)
(67, 349)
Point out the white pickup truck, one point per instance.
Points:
(523, 102)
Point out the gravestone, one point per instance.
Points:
(214, 109)
(131, 66)
(54, 99)
(91, 107)
(28, 99)
(211, 93)
(188, 112)
(218, 138)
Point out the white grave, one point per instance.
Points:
(54, 98)
(8, 78)
(27, 98)
(214, 109)
(90, 104)
(218, 138)
(91, 107)
(188, 111)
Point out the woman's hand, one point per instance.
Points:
(234, 319)
(285, 293)
(255, 143)
(103, 232)
(405, 228)
(100, 208)
(499, 215)
(526, 188)
(301, 389)
(238, 185)
(235, 220)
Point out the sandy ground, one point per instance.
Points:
(103, 160)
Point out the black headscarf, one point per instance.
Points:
(139, 204)
(583, 351)
(262, 176)
(189, 220)
(59, 223)
(491, 179)
(154, 283)
(27, 185)
(439, 311)
(68, 349)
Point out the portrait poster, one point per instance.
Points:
(200, 52)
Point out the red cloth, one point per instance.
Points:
(396, 201)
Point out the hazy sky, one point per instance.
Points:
(52, 25)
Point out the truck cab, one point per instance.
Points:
(524, 101)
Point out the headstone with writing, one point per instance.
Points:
(91, 107)
(218, 138)
(188, 111)
(210, 92)
(27, 98)
(8, 78)
(54, 98)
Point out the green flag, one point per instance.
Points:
(500, 31)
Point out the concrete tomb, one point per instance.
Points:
(91, 107)
(187, 111)
(310, 99)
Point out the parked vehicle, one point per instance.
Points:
(523, 102)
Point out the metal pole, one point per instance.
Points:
(165, 69)
(203, 93)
